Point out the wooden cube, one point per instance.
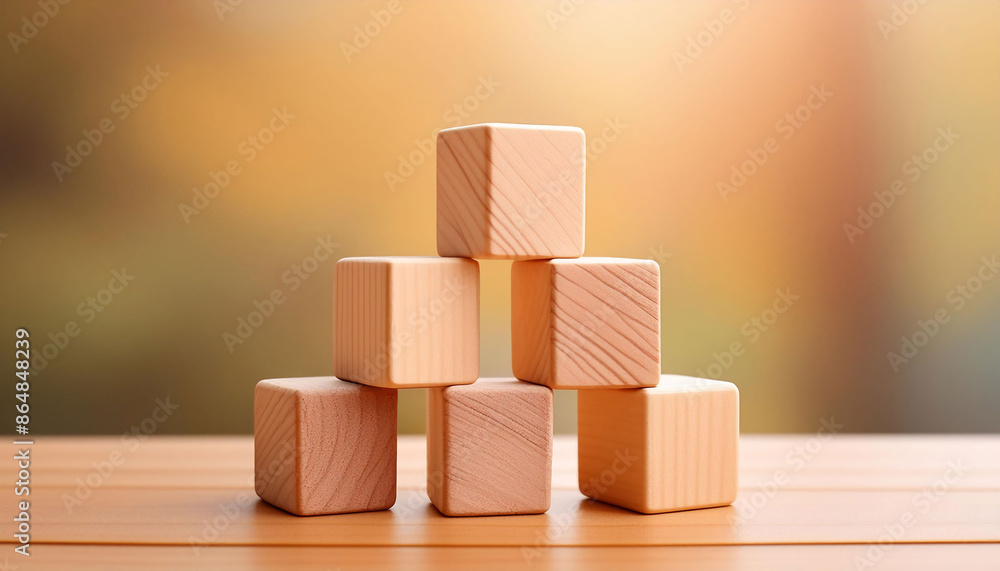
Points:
(404, 322)
(489, 448)
(586, 323)
(324, 446)
(510, 191)
(662, 449)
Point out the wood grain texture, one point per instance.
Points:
(236, 517)
(510, 191)
(667, 448)
(406, 322)
(964, 557)
(813, 462)
(324, 446)
(586, 323)
(174, 490)
(489, 448)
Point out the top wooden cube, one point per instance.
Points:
(513, 192)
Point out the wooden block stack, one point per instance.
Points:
(648, 442)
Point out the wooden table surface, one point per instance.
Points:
(843, 502)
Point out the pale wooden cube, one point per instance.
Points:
(406, 322)
(510, 191)
(489, 448)
(662, 449)
(324, 446)
(586, 323)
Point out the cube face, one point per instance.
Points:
(511, 191)
(324, 446)
(406, 322)
(586, 323)
(489, 448)
(668, 448)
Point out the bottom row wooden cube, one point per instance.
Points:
(489, 448)
(660, 449)
(324, 446)
(327, 446)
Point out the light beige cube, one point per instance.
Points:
(510, 191)
(324, 446)
(662, 449)
(489, 448)
(406, 322)
(586, 323)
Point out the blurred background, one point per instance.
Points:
(817, 180)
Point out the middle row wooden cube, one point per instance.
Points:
(586, 323)
(406, 322)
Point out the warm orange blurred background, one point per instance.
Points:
(729, 141)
